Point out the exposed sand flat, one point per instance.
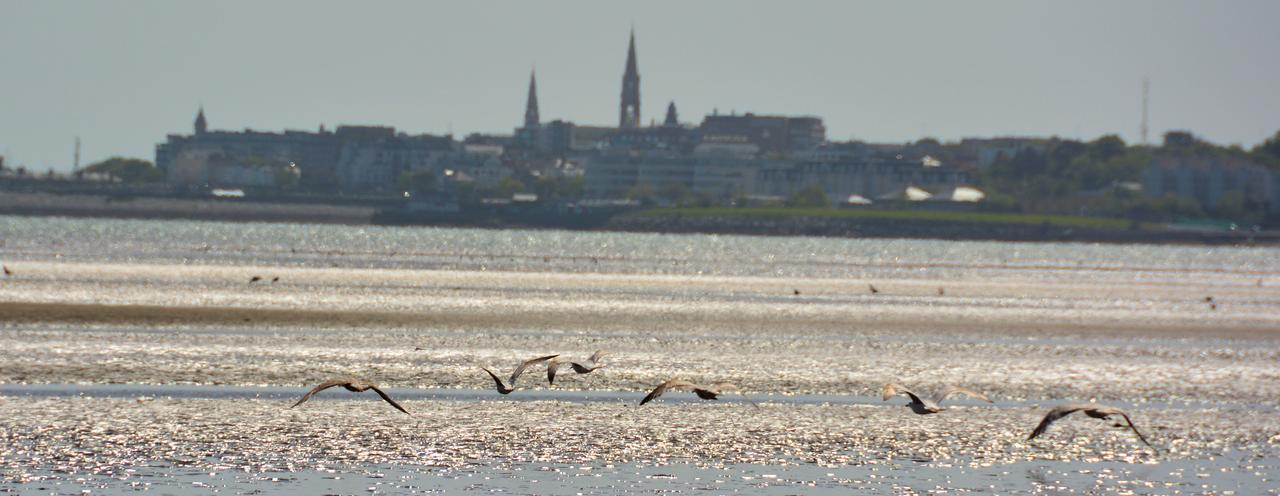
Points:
(263, 434)
(216, 295)
(1029, 328)
(154, 324)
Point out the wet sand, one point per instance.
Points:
(1203, 383)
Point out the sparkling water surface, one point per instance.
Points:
(137, 355)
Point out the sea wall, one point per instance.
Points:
(898, 228)
(81, 205)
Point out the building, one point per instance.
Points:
(1209, 179)
(354, 158)
(774, 135)
(612, 176)
(867, 178)
(983, 152)
(529, 135)
(629, 108)
(372, 159)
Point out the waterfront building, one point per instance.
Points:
(864, 177)
(354, 158)
(1207, 180)
(775, 135)
(616, 175)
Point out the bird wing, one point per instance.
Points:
(1135, 429)
(1053, 415)
(950, 390)
(388, 398)
(520, 370)
(662, 388)
(552, 365)
(323, 386)
(595, 357)
(890, 390)
(496, 380)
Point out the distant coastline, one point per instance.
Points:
(766, 222)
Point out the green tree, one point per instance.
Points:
(509, 186)
(1268, 152)
(642, 192)
(1231, 206)
(417, 181)
(548, 187)
(811, 197)
(1107, 147)
(127, 170)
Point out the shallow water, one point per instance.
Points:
(114, 378)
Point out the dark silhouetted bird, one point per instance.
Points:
(873, 289)
(254, 279)
(1096, 411)
(925, 406)
(507, 389)
(585, 367)
(353, 385)
(705, 392)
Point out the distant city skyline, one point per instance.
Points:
(122, 75)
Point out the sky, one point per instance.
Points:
(121, 75)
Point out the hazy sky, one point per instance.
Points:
(122, 75)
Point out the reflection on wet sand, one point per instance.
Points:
(143, 362)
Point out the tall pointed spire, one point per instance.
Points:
(201, 124)
(629, 113)
(672, 119)
(531, 119)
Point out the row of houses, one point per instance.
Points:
(725, 158)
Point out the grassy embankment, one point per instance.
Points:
(900, 215)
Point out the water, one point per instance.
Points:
(137, 355)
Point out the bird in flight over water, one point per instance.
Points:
(1096, 411)
(586, 367)
(925, 406)
(353, 385)
(511, 383)
(711, 392)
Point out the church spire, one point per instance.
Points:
(672, 119)
(531, 119)
(629, 113)
(201, 124)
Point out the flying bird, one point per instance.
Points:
(873, 289)
(7, 272)
(925, 406)
(1096, 411)
(711, 392)
(275, 279)
(507, 389)
(590, 365)
(353, 385)
(254, 279)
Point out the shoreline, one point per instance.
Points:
(164, 208)
(27, 313)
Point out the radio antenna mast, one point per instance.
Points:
(1146, 93)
